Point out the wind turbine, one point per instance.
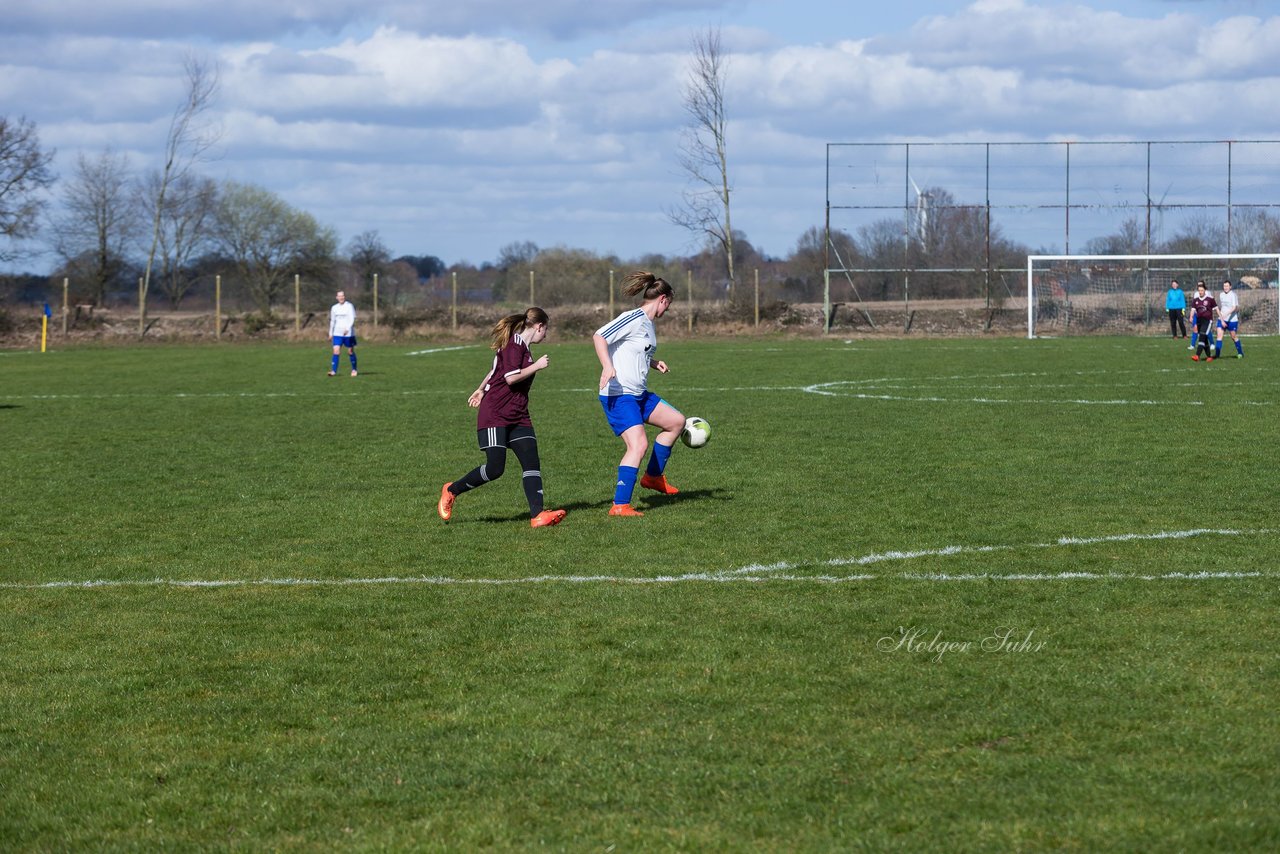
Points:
(1159, 209)
(922, 214)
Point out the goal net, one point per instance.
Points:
(1125, 294)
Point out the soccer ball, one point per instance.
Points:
(696, 432)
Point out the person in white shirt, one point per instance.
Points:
(627, 347)
(1229, 318)
(342, 329)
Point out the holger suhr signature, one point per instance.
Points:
(922, 641)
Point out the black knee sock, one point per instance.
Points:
(527, 454)
(495, 464)
(532, 481)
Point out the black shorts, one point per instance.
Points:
(503, 437)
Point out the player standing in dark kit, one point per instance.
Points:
(503, 420)
(1204, 305)
(1175, 302)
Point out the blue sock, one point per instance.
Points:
(626, 484)
(658, 459)
(1217, 350)
(353, 361)
(1239, 347)
(335, 363)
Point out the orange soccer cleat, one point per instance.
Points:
(445, 507)
(624, 510)
(546, 519)
(1196, 357)
(658, 483)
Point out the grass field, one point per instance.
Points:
(924, 595)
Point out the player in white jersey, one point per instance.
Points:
(342, 329)
(1229, 318)
(627, 347)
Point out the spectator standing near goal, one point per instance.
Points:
(342, 330)
(503, 419)
(626, 347)
(1229, 319)
(1204, 306)
(1175, 302)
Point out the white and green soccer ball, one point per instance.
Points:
(696, 432)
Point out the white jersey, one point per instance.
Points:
(633, 344)
(1228, 305)
(342, 319)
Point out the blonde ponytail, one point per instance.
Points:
(513, 323)
(647, 283)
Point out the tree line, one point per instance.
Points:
(110, 225)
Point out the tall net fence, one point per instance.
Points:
(1128, 294)
(946, 220)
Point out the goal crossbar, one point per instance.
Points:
(1156, 263)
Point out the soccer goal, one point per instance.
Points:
(1118, 294)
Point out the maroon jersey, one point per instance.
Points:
(506, 405)
(1204, 307)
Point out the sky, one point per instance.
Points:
(455, 129)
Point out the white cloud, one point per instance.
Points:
(271, 19)
(469, 124)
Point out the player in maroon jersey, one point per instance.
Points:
(503, 420)
(1204, 306)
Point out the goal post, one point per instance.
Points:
(1125, 294)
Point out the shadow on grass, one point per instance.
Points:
(643, 501)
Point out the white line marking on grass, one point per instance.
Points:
(836, 389)
(947, 551)
(1087, 576)
(753, 573)
(442, 350)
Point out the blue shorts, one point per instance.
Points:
(1229, 325)
(344, 340)
(624, 411)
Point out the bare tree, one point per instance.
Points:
(97, 223)
(703, 151)
(189, 139)
(808, 262)
(401, 281)
(369, 255)
(513, 260)
(1254, 230)
(1198, 233)
(880, 248)
(1129, 240)
(186, 227)
(24, 173)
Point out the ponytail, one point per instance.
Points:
(647, 283)
(513, 323)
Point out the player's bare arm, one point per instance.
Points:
(607, 371)
(528, 370)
